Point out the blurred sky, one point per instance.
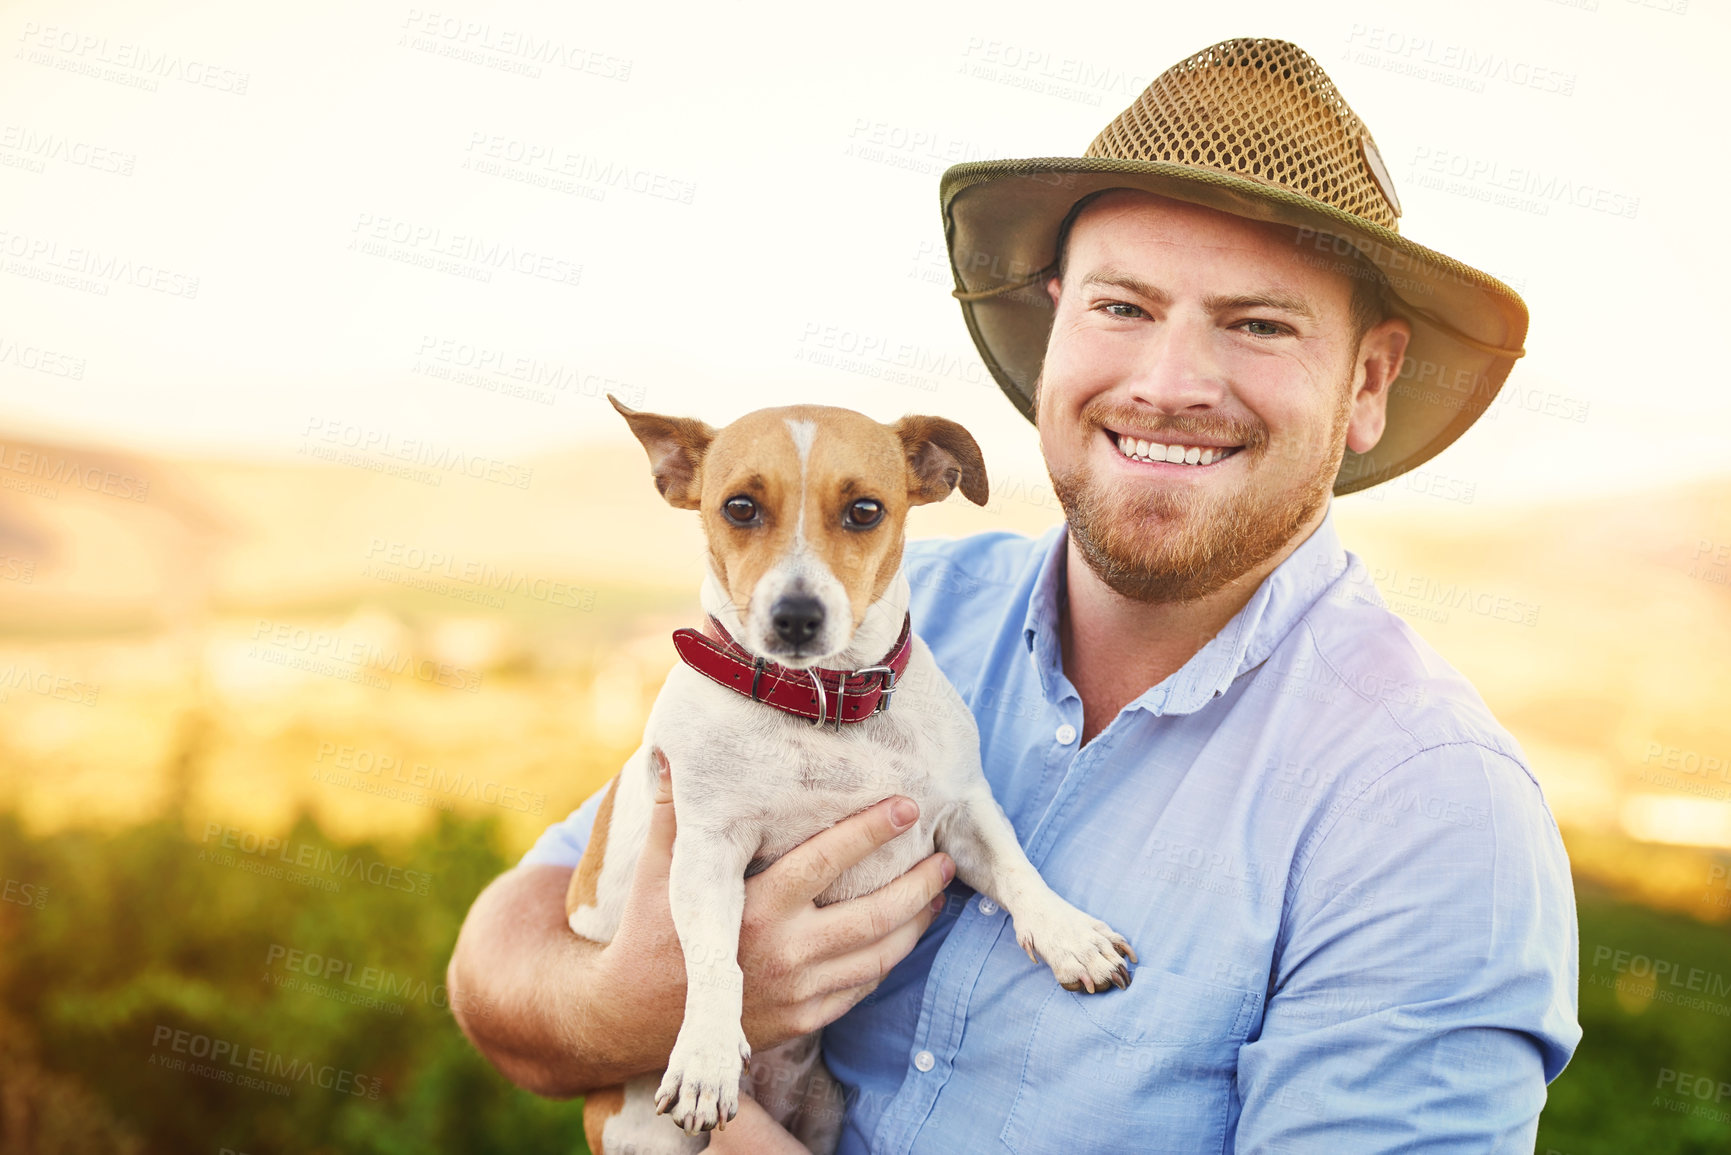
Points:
(302, 164)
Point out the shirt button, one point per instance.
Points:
(987, 906)
(1066, 734)
(924, 1061)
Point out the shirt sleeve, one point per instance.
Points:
(562, 843)
(1424, 989)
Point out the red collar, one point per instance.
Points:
(818, 694)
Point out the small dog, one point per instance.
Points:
(780, 722)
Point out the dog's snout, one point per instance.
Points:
(797, 619)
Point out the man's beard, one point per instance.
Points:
(1177, 544)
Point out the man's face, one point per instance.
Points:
(1186, 327)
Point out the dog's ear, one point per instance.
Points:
(676, 446)
(941, 456)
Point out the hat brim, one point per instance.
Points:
(1001, 219)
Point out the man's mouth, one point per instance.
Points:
(1173, 453)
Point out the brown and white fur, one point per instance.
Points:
(750, 783)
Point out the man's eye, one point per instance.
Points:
(1112, 307)
(740, 510)
(1267, 328)
(864, 513)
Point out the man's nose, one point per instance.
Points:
(797, 619)
(1180, 367)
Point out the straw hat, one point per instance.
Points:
(1255, 128)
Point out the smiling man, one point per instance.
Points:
(1351, 905)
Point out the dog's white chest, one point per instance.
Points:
(833, 777)
(774, 780)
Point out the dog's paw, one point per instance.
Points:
(1083, 952)
(700, 1090)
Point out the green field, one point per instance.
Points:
(145, 969)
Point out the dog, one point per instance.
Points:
(796, 709)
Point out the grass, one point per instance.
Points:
(143, 969)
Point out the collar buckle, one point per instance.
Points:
(887, 684)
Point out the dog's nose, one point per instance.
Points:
(798, 619)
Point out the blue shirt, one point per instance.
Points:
(1351, 904)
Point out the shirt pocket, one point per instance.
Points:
(1150, 1068)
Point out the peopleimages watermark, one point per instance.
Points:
(505, 49)
(1426, 482)
(31, 150)
(1687, 771)
(47, 684)
(1209, 869)
(46, 470)
(510, 373)
(369, 447)
(559, 169)
(256, 1068)
(1365, 797)
(366, 769)
(1528, 189)
(122, 62)
(1454, 65)
(407, 562)
(1681, 760)
(1675, 1089)
(1047, 73)
(1314, 680)
(884, 358)
(1719, 877)
(269, 854)
(1664, 980)
(923, 151)
(286, 638)
(31, 894)
(1431, 598)
(376, 988)
(88, 270)
(1712, 561)
(465, 255)
(37, 359)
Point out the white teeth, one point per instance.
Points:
(1138, 450)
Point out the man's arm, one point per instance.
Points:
(516, 983)
(559, 1015)
(1425, 985)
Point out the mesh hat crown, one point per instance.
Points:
(1255, 128)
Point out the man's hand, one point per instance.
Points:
(804, 965)
(560, 1016)
(753, 1132)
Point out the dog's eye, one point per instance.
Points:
(740, 510)
(864, 513)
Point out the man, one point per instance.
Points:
(1351, 905)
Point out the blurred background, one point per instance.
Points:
(328, 578)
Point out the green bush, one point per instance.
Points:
(112, 943)
(156, 930)
(1611, 1099)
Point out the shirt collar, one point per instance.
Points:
(1283, 598)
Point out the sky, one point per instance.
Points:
(227, 230)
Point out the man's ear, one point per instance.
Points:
(1380, 356)
(676, 446)
(941, 456)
